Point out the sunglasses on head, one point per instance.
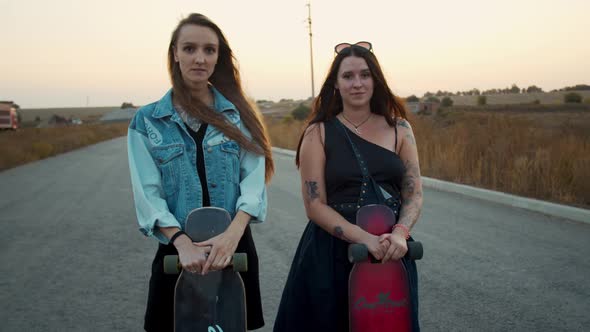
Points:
(362, 44)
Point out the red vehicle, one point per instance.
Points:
(8, 116)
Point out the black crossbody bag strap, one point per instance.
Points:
(367, 178)
(392, 202)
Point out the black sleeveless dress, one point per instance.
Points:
(315, 297)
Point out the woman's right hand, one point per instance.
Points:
(376, 248)
(192, 257)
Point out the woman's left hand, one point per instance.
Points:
(223, 246)
(398, 246)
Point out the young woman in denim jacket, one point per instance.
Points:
(354, 102)
(202, 144)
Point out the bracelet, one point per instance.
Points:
(176, 235)
(404, 227)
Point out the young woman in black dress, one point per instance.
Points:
(355, 102)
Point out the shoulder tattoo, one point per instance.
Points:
(403, 123)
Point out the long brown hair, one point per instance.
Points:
(226, 79)
(328, 104)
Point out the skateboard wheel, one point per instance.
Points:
(415, 250)
(240, 262)
(357, 253)
(171, 264)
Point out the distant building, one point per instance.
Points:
(426, 107)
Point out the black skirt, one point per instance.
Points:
(315, 297)
(159, 314)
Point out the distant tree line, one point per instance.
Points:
(445, 102)
(514, 89)
(579, 87)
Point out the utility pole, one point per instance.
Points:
(310, 49)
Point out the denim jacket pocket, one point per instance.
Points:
(169, 163)
(231, 151)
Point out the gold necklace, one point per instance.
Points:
(356, 127)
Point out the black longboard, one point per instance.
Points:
(214, 302)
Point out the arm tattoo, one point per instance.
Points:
(312, 190)
(409, 136)
(408, 184)
(409, 179)
(339, 233)
(411, 195)
(403, 123)
(411, 139)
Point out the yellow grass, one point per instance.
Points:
(284, 132)
(541, 155)
(30, 144)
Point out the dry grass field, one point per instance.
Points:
(534, 153)
(30, 144)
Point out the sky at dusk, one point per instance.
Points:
(72, 53)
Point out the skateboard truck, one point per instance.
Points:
(358, 252)
(239, 263)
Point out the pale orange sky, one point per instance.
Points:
(58, 53)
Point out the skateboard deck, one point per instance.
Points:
(214, 302)
(378, 294)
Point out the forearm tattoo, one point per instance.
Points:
(411, 195)
(311, 188)
(339, 233)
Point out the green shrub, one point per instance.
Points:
(482, 100)
(446, 102)
(572, 97)
(301, 112)
(287, 119)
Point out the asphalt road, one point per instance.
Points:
(72, 259)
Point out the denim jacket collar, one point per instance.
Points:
(164, 107)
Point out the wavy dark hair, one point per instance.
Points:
(226, 79)
(328, 104)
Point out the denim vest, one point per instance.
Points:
(162, 163)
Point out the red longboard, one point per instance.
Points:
(379, 293)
